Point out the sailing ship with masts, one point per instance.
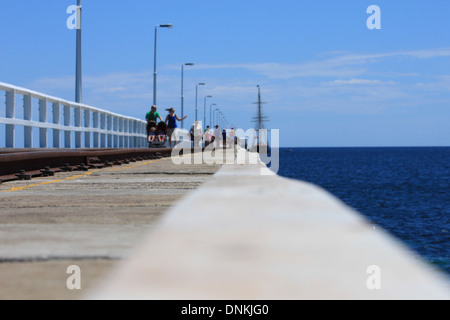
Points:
(260, 141)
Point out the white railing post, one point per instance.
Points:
(116, 129)
(143, 132)
(28, 115)
(138, 130)
(43, 119)
(77, 112)
(130, 139)
(87, 125)
(67, 133)
(56, 120)
(120, 132)
(109, 128)
(132, 130)
(95, 125)
(103, 127)
(125, 131)
(10, 114)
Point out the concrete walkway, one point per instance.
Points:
(247, 234)
(91, 219)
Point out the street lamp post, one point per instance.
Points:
(204, 111)
(216, 116)
(210, 114)
(182, 91)
(154, 63)
(196, 99)
(78, 71)
(221, 119)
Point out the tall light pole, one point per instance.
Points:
(196, 99)
(210, 114)
(204, 111)
(216, 116)
(78, 70)
(221, 119)
(154, 63)
(182, 91)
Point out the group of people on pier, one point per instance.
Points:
(199, 136)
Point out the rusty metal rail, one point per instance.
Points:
(27, 164)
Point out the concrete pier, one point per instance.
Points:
(243, 235)
(91, 219)
(156, 230)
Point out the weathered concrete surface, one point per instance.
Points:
(266, 237)
(89, 219)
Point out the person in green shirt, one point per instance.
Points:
(153, 115)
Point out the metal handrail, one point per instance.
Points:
(101, 128)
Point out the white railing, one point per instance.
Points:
(81, 125)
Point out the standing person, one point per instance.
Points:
(171, 121)
(196, 134)
(152, 118)
(232, 139)
(208, 136)
(224, 137)
(217, 136)
(153, 115)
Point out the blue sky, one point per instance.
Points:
(327, 79)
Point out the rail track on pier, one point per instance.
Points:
(25, 164)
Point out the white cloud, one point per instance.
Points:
(56, 83)
(110, 90)
(442, 83)
(340, 65)
(353, 82)
(337, 81)
(327, 68)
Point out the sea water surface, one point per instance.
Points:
(406, 190)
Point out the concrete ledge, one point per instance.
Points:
(244, 235)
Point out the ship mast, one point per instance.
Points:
(260, 119)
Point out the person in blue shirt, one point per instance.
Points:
(224, 137)
(171, 121)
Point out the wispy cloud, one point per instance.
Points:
(440, 83)
(353, 82)
(343, 65)
(327, 68)
(338, 81)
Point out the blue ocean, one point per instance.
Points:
(406, 191)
